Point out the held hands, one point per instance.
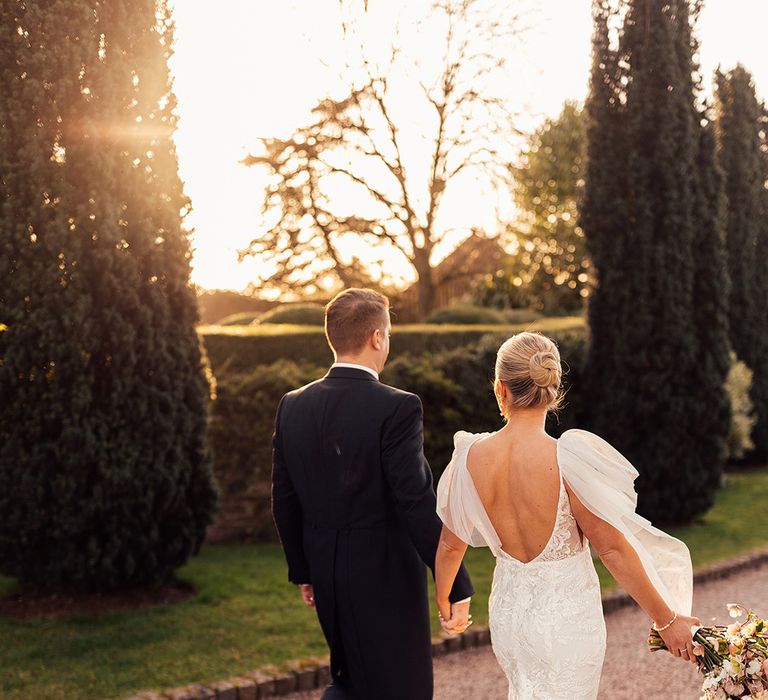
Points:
(308, 594)
(679, 638)
(454, 618)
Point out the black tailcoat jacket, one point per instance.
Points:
(354, 506)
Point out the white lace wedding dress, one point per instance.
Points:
(546, 618)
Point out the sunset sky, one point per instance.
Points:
(245, 69)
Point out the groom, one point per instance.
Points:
(354, 506)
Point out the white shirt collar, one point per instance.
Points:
(349, 365)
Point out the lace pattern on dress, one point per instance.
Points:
(566, 538)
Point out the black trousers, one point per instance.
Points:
(336, 691)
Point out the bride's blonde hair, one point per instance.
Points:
(529, 366)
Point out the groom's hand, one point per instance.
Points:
(459, 620)
(308, 594)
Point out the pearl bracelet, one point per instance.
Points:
(669, 624)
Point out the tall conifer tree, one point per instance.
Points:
(650, 369)
(604, 216)
(740, 133)
(761, 430)
(105, 476)
(710, 407)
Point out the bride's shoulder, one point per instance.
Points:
(581, 446)
(462, 438)
(577, 436)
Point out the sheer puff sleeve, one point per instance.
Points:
(458, 503)
(603, 480)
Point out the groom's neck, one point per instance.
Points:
(358, 360)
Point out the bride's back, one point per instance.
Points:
(517, 478)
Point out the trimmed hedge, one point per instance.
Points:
(466, 314)
(470, 315)
(295, 314)
(240, 432)
(242, 319)
(454, 385)
(241, 349)
(521, 315)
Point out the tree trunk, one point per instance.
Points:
(425, 284)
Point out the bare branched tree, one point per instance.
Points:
(355, 172)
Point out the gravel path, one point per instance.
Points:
(630, 672)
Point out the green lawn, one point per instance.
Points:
(246, 615)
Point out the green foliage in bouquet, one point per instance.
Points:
(105, 473)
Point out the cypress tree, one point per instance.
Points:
(761, 429)
(650, 370)
(740, 132)
(710, 407)
(604, 219)
(105, 475)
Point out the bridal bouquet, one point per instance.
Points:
(733, 658)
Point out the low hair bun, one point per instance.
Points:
(528, 364)
(545, 369)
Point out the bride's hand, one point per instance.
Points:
(455, 618)
(679, 639)
(308, 595)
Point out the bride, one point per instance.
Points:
(537, 503)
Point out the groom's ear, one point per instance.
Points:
(377, 338)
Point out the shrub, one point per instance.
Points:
(244, 318)
(743, 419)
(217, 304)
(242, 349)
(240, 431)
(466, 315)
(520, 315)
(295, 314)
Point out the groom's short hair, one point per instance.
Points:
(352, 316)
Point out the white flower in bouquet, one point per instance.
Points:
(732, 658)
(735, 610)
